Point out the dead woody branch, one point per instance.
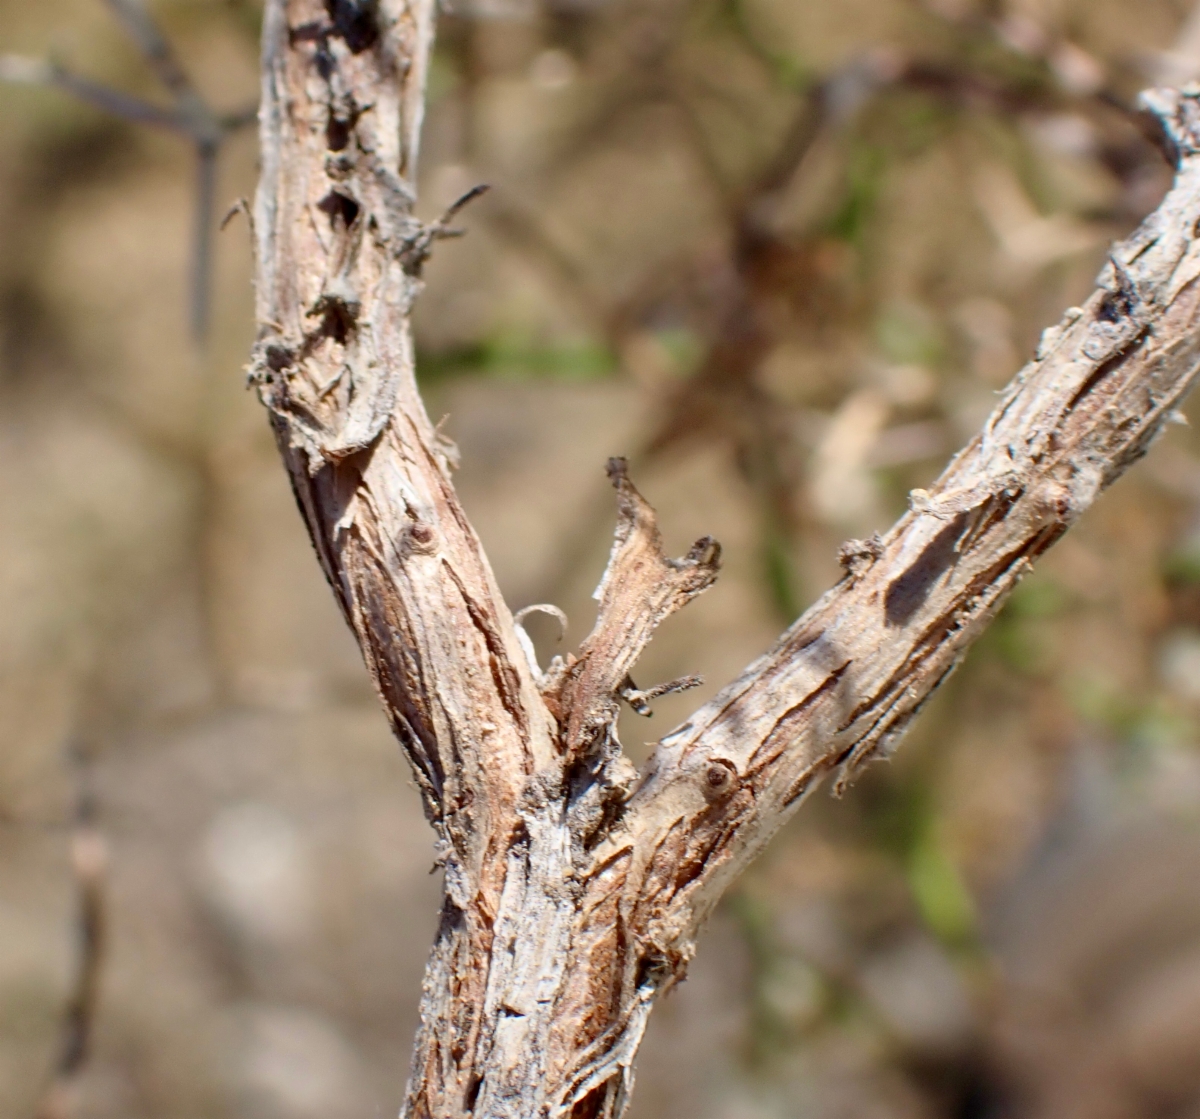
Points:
(574, 886)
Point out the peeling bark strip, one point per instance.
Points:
(574, 887)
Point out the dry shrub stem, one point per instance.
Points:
(575, 886)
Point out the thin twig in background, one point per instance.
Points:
(19, 70)
(190, 117)
(89, 862)
(207, 132)
(202, 236)
(154, 47)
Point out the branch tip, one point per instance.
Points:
(706, 552)
(641, 587)
(458, 204)
(1177, 112)
(241, 206)
(640, 700)
(617, 469)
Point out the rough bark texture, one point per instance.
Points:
(574, 885)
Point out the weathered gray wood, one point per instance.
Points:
(575, 886)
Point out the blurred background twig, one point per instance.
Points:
(190, 117)
(89, 859)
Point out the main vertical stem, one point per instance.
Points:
(339, 256)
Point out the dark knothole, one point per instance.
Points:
(279, 358)
(337, 133)
(720, 776)
(340, 208)
(356, 21)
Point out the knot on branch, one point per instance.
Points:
(328, 420)
(856, 556)
(641, 587)
(720, 780)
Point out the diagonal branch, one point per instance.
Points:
(847, 678)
